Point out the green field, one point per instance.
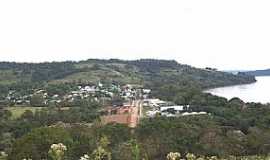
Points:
(105, 74)
(18, 111)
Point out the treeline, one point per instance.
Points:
(154, 66)
(152, 139)
(52, 71)
(39, 72)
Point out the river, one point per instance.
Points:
(255, 92)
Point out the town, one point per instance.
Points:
(125, 104)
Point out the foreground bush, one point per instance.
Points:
(189, 156)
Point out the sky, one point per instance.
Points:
(228, 35)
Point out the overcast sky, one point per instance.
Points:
(226, 34)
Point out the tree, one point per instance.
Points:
(236, 103)
(173, 156)
(28, 114)
(57, 151)
(37, 100)
(135, 150)
(102, 153)
(37, 143)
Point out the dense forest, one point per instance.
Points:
(231, 127)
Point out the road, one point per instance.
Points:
(139, 105)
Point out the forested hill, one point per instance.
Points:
(265, 72)
(146, 71)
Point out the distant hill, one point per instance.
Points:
(145, 71)
(265, 72)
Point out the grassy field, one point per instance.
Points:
(18, 111)
(100, 75)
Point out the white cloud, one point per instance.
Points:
(232, 34)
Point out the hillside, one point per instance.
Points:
(145, 71)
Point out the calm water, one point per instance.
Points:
(255, 92)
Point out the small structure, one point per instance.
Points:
(193, 113)
(155, 102)
(175, 108)
(152, 113)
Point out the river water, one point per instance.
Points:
(255, 92)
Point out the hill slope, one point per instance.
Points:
(145, 71)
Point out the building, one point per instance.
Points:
(193, 113)
(154, 102)
(175, 108)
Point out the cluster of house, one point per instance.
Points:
(99, 93)
(15, 98)
(157, 107)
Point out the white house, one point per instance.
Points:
(193, 113)
(89, 89)
(155, 102)
(176, 108)
(146, 91)
(152, 113)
